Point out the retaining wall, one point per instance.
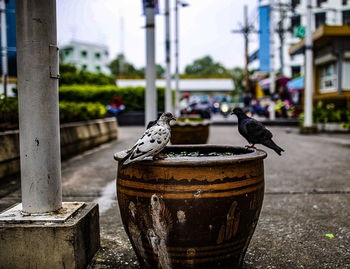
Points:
(75, 138)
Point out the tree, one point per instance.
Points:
(206, 67)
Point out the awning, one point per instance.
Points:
(265, 83)
(296, 84)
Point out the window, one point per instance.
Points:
(106, 53)
(296, 70)
(346, 17)
(294, 4)
(344, 2)
(97, 55)
(320, 19)
(84, 53)
(319, 2)
(84, 67)
(98, 68)
(295, 21)
(328, 78)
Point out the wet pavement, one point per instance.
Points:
(307, 197)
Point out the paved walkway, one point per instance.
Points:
(307, 197)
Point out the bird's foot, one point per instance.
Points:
(158, 157)
(250, 147)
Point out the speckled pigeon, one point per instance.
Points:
(254, 131)
(152, 142)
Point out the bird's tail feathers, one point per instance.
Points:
(270, 144)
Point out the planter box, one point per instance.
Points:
(189, 133)
(332, 127)
(136, 118)
(192, 212)
(75, 138)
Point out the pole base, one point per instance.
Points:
(51, 244)
(308, 130)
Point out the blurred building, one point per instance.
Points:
(86, 56)
(331, 64)
(11, 38)
(289, 25)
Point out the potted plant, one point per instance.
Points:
(189, 130)
(198, 208)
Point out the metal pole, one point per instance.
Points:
(168, 96)
(272, 63)
(37, 58)
(4, 46)
(308, 66)
(177, 94)
(151, 95)
(246, 33)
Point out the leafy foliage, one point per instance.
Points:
(206, 67)
(133, 97)
(329, 114)
(8, 109)
(70, 75)
(121, 68)
(71, 111)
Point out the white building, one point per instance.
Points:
(329, 12)
(86, 56)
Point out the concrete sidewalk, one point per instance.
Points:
(307, 197)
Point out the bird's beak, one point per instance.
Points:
(173, 118)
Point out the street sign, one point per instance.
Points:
(150, 3)
(299, 31)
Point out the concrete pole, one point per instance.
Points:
(37, 66)
(272, 63)
(151, 95)
(177, 76)
(168, 95)
(4, 46)
(308, 66)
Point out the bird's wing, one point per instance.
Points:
(152, 142)
(257, 131)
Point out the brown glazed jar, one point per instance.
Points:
(192, 212)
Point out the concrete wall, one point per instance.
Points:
(75, 138)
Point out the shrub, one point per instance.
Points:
(70, 75)
(133, 97)
(71, 111)
(8, 110)
(328, 113)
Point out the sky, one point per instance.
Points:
(204, 29)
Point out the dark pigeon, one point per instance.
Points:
(254, 131)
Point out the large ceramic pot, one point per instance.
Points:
(194, 211)
(190, 132)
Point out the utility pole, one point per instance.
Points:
(4, 46)
(151, 94)
(272, 64)
(246, 30)
(309, 68)
(168, 95)
(282, 12)
(37, 57)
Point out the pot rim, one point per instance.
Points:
(251, 155)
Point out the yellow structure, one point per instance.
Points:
(331, 62)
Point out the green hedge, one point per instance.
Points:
(69, 111)
(8, 109)
(133, 97)
(329, 113)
